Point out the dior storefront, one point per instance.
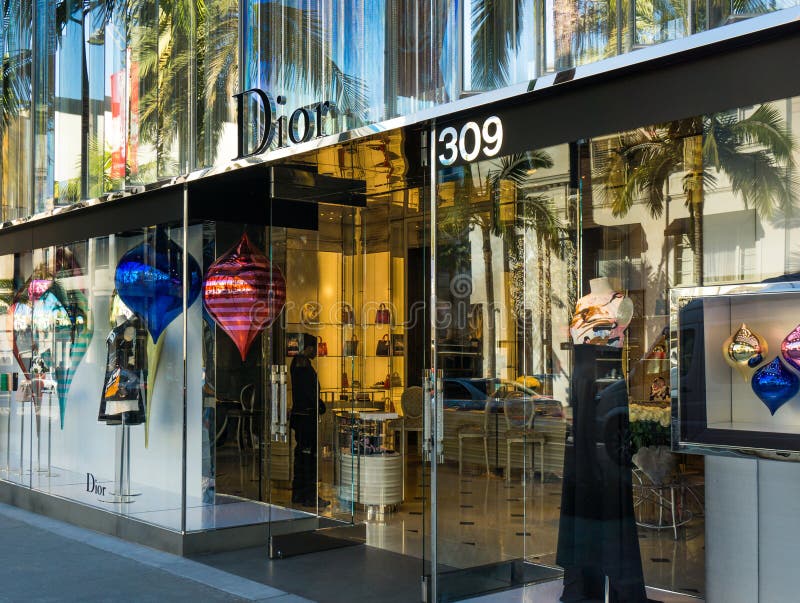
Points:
(539, 336)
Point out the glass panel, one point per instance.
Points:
(174, 103)
(501, 235)
(17, 402)
(101, 364)
(16, 41)
(217, 52)
(576, 250)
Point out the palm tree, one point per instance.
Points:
(16, 38)
(497, 27)
(755, 153)
(511, 174)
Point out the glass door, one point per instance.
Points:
(315, 355)
(502, 283)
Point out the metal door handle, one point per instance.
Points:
(427, 413)
(439, 417)
(274, 402)
(284, 404)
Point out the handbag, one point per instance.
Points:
(351, 346)
(398, 344)
(348, 316)
(383, 346)
(322, 348)
(309, 313)
(292, 345)
(382, 315)
(396, 381)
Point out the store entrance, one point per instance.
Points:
(310, 408)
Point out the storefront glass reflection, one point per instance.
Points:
(554, 269)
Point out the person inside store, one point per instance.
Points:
(306, 407)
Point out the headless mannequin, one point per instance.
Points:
(598, 544)
(126, 359)
(602, 316)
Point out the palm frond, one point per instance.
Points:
(767, 128)
(305, 59)
(761, 182)
(497, 27)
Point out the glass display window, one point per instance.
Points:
(735, 365)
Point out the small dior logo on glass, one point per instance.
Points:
(93, 486)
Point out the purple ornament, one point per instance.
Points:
(148, 280)
(244, 292)
(790, 348)
(775, 385)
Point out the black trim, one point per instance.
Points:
(161, 206)
(237, 196)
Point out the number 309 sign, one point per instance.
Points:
(472, 140)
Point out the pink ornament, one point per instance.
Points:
(244, 293)
(38, 287)
(790, 348)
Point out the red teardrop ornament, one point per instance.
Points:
(244, 293)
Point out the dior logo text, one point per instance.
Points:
(303, 124)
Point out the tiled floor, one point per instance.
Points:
(484, 519)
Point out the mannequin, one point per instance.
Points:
(126, 361)
(602, 316)
(598, 544)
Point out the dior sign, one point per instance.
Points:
(302, 124)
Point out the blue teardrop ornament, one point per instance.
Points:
(775, 385)
(148, 280)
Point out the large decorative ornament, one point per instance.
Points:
(744, 350)
(72, 342)
(244, 293)
(24, 346)
(149, 281)
(775, 385)
(72, 331)
(790, 348)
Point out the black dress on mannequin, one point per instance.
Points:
(126, 368)
(597, 536)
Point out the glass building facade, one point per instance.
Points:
(502, 286)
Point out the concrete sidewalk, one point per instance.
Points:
(43, 559)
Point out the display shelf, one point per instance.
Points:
(716, 406)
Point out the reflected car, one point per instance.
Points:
(463, 393)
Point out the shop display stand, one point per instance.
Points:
(45, 471)
(19, 471)
(122, 493)
(7, 468)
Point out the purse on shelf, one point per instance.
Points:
(395, 380)
(351, 346)
(322, 348)
(383, 346)
(348, 316)
(398, 344)
(292, 345)
(382, 315)
(310, 312)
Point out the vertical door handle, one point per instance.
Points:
(284, 404)
(439, 417)
(274, 402)
(427, 413)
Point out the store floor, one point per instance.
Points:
(484, 519)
